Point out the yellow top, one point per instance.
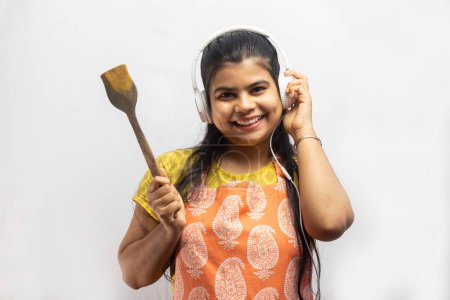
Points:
(174, 161)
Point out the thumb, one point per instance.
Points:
(163, 172)
(154, 185)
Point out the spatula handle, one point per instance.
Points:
(148, 154)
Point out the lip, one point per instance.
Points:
(251, 127)
(248, 118)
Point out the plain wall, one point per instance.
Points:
(69, 162)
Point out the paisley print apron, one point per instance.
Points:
(239, 243)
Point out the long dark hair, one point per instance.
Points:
(235, 47)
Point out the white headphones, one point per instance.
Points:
(200, 94)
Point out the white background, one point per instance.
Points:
(69, 162)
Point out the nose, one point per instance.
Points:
(244, 104)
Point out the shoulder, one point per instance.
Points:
(175, 157)
(174, 161)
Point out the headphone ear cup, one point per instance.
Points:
(202, 107)
(199, 105)
(286, 101)
(208, 118)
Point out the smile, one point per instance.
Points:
(248, 123)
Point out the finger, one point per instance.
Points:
(293, 91)
(296, 87)
(156, 183)
(159, 181)
(163, 172)
(165, 199)
(295, 74)
(301, 90)
(296, 82)
(298, 92)
(168, 212)
(159, 193)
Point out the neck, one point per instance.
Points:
(245, 159)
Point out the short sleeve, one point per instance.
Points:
(173, 162)
(140, 196)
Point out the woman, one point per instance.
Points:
(226, 214)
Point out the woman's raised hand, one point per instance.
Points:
(166, 203)
(298, 120)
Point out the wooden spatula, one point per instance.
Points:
(122, 93)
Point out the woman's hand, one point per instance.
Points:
(298, 120)
(166, 203)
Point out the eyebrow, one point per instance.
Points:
(228, 89)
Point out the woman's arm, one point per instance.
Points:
(326, 208)
(148, 245)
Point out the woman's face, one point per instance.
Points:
(245, 104)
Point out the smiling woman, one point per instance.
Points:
(243, 230)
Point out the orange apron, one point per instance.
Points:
(239, 243)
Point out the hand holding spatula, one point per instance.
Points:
(122, 93)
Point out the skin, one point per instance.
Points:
(240, 90)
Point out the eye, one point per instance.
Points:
(225, 96)
(258, 89)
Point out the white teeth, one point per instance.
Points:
(248, 122)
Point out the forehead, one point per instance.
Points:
(243, 73)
